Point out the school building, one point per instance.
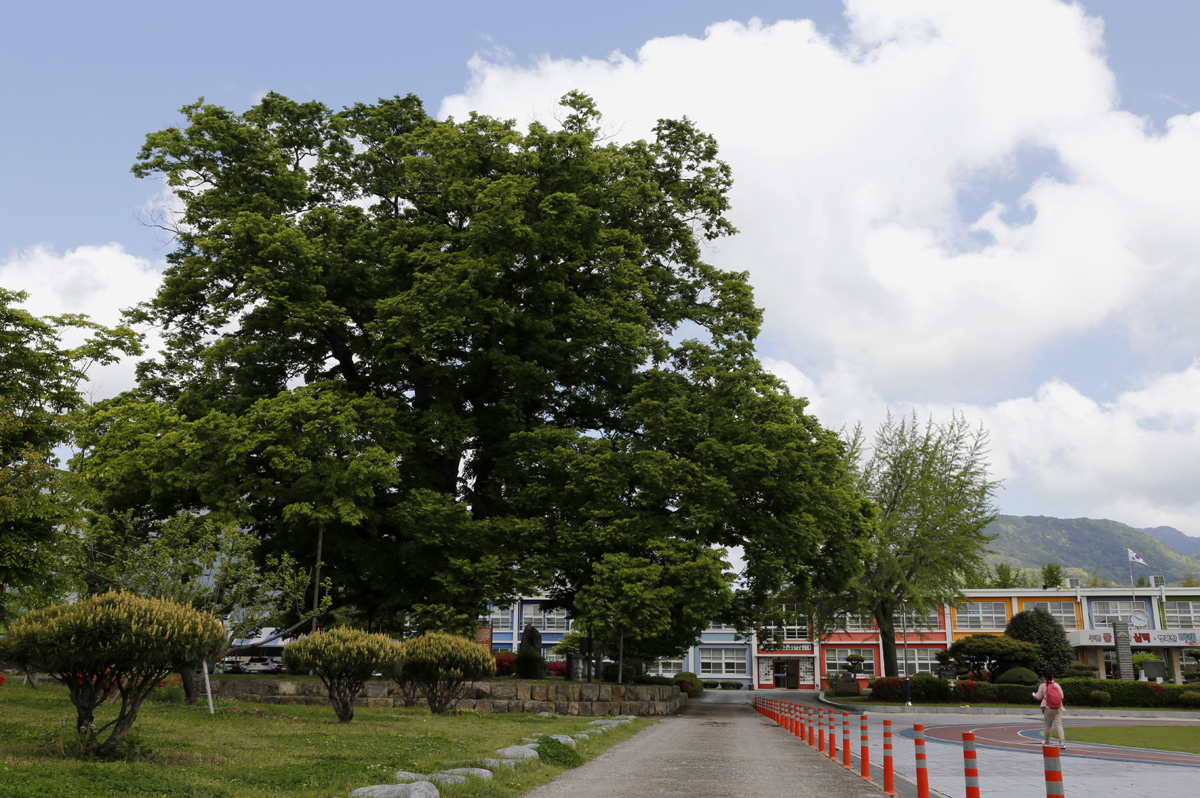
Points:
(1163, 620)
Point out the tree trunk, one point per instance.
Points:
(883, 613)
(187, 678)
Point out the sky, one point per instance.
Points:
(945, 206)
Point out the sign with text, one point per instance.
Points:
(1105, 638)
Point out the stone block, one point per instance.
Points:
(285, 688)
(538, 692)
(618, 692)
(484, 705)
(561, 707)
(504, 691)
(524, 692)
(379, 703)
(588, 692)
(604, 692)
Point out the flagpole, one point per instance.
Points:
(1132, 592)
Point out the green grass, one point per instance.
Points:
(1185, 739)
(262, 749)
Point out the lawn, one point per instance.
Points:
(261, 749)
(1185, 739)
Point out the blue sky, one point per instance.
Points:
(872, 151)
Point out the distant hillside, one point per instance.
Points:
(1171, 537)
(1084, 545)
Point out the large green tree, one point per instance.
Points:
(933, 491)
(40, 376)
(463, 359)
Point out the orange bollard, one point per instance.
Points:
(812, 729)
(798, 720)
(922, 772)
(821, 729)
(970, 765)
(833, 736)
(846, 741)
(889, 782)
(864, 753)
(1053, 765)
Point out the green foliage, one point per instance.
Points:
(609, 673)
(1099, 698)
(995, 653)
(1140, 657)
(1018, 676)
(558, 753)
(112, 643)
(642, 678)
(934, 496)
(39, 392)
(1080, 671)
(1052, 575)
(975, 692)
(1039, 627)
(711, 684)
(530, 663)
(730, 685)
(1190, 698)
(928, 689)
(441, 665)
(344, 659)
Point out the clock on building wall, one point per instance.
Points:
(1139, 618)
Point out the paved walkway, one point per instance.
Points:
(721, 747)
(718, 748)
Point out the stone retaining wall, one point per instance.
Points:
(569, 698)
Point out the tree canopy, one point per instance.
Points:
(40, 377)
(1039, 627)
(470, 359)
(934, 496)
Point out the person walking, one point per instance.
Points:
(1050, 693)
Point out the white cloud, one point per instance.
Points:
(849, 162)
(97, 281)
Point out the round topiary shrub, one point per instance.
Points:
(695, 685)
(441, 665)
(1018, 676)
(345, 659)
(559, 753)
(530, 664)
(113, 643)
(1099, 698)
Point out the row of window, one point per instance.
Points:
(968, 615)
(733, 661)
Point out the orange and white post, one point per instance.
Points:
(1053, 765)
(846, 763)
(970, 765)
(922, 772)
(833, 736)
(889, 776)
(864, 753)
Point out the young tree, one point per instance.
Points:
(1052, 575)
(381, 329)
(1007, 578)
(39, 390)
(934, 496)
(344, 659)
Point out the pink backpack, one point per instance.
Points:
(1054, 695)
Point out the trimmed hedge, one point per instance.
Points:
(1018, 676)
(730, 685)
(1080, 692)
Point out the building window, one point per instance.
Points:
(547, 620)
(720, 627)
(1106, 613)
(665, 667)
(792, 626)
(858, 622)
(500, 619)
(920, 660)
(980, 615)
(1062, 611)
(835, 659)
(916, 617)
(723, 661)
(1182, 614)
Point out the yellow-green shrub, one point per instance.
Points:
(345, 659)
(113, 642)
(440, 665)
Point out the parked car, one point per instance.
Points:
(254, 665)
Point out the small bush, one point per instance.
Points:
(1190, 698)
(697, 685)
(345, 659)
(530, 664)
(609, 673)
(927, 689)
(3, 678)
(1080, 671)
(887, 688)
(556, 668)
(710, 684)
(730, 685)
(1018, 676)
(440, 665)
(1099, 698)
(505, 662)
(558, 753)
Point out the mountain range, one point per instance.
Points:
(1089, 548)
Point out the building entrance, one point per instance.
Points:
(787, 674)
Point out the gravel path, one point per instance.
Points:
(717, 747)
